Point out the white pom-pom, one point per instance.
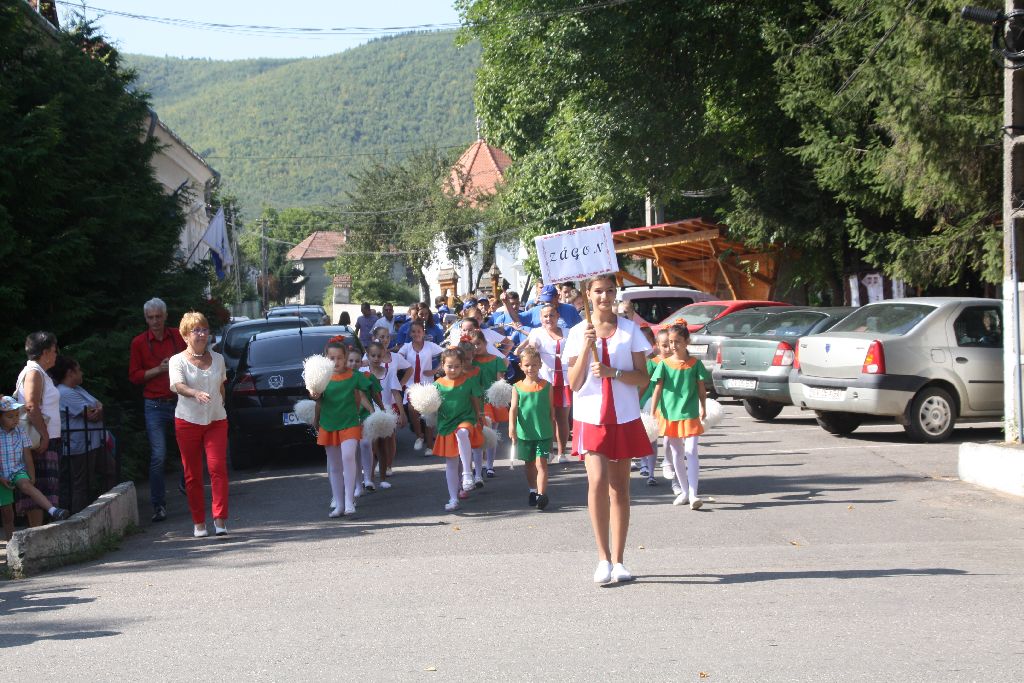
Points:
(305, 411)
(379, 425)
(317, 371)
(651, 425)
(490, 438)
(425, 398)
(714, 413)
(499, 394)
(431, 420)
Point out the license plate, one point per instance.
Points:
(741, 384)
(697, 349)
(290, 419)
(823, 394)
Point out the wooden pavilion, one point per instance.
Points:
(696, 253)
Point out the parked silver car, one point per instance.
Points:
(927, 362)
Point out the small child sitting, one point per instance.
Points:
(16, 467)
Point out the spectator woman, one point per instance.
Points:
(345, 320)
(197, 375)
(42, 401)
(82, 421)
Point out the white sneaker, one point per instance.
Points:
(368, 485)
(418, 445)
(200, 532)
(428, 451)
(335, 513)
(390, 472)
(334, 503)
(478, 482)
(696, 503)
(451, 505)
(384, 485)
(620, 573)
(676, 488)
(681, 499)
(350, 510)
(603, 573)
(667, 470)
(467, 483)
(359, 490)
(644, 472)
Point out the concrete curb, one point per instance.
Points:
(994, 466)
(32, 551)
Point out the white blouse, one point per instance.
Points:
(426, 356)
(181, 371)
(622, 344)
(50, 405)
(549, 349)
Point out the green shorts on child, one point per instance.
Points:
(528, 451)
(6, 494)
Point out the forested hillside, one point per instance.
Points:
(289, 132)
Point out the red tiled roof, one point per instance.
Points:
(323, 244)
(479, 170)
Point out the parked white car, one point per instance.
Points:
(654, 302)
(928, 362)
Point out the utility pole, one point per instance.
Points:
(263, 269)
(654, 214)
(1013, 219)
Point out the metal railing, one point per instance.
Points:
(80, 471)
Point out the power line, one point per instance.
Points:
(381, 152)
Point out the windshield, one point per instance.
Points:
(236, 337)
(894, 318)
(794, 324)
(734, 323)
(695, 314)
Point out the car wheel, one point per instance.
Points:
(931, 416)
(242, 454)
(837, 423)
(762, 410)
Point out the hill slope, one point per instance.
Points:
(288, 132)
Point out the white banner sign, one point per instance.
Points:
(576, 254)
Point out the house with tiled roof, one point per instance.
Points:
(311, 256)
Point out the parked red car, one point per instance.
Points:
(697, 315)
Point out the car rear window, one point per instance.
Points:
(235, 339)
(275, 350)
(793, 324)
(885, 318)
(734, 323)
(656, 309)
(696, 314)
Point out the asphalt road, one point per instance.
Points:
(816, 559)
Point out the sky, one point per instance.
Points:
(160, 38)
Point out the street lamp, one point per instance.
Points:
(495, 279)
(1007, 31)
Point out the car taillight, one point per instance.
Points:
(245, 385)
(796, 355)
(874, 359)
(718, 356)
(783, 355)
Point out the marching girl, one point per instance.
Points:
(680, 394)
(458, 421)
(648, 465)
(365, 445)
(492, 368)
(420, 354)
(607, 430)
(339, 430)
(397, 372)
(529, 425)
(550, 342)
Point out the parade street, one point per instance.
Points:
(815, 558)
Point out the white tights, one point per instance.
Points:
(341, 471)
(651, 461)
(683, 452)
(366, 459)
(465, 451)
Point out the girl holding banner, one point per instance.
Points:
(607, 358)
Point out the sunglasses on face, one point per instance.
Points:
(200, 330)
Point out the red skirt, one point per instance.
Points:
(613, 441)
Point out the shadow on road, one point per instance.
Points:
(757, 577)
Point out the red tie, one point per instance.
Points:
(416, 372)
(607, 397)
(558, 365)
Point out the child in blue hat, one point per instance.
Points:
(16, 468)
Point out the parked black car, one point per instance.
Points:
(267, 384)
(232, 345)
(313, 313)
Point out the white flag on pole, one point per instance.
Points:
(216, 237)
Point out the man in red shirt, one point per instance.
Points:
(150, 352)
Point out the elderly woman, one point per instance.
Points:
(42, 401)
(197, 375)
(82, 422)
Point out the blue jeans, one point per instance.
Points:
(159, 424)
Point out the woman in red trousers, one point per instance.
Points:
(197, 375)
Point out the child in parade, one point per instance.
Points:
(420, 354)
(607, 429)
(16, 467)
(458, 421)
(473, 474)
(339, 430)
(391, 398)
(530, 425)
(549, 340)
(492, 368)
(680, 394)
(662, 350)
(399, 371)
(373, 392)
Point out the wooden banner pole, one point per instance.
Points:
(586, 311)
